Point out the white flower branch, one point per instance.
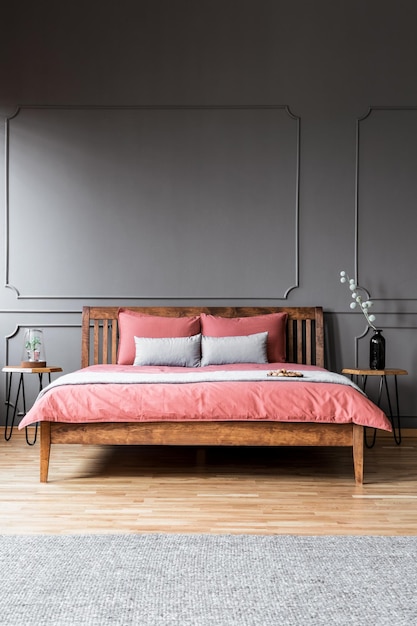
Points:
(364, 305)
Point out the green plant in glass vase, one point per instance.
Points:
(32, 348)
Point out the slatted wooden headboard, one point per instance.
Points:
(305, 333)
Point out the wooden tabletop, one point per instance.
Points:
(357, 371)
(16, 369)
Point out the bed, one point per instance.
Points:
(259, 380)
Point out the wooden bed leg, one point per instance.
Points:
(358, 449)
(45, 450)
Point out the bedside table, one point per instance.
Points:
(15, 369)
(360, 374)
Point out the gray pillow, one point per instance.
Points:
(180, 351)
(240, 349)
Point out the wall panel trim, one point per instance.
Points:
(361, 119)
(17, 291)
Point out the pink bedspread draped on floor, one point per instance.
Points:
(286, 401)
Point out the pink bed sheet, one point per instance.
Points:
(284, 401)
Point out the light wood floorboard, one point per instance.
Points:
(304, 491)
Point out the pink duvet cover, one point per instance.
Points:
(284, 401)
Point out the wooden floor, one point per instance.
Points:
(305, 491)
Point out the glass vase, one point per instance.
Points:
(33, 354)
(377, 351)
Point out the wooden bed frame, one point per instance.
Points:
(305, 345)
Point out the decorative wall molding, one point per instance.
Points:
(360, 121)
(18, 291)
(41, 311)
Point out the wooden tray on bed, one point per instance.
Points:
(305, 345)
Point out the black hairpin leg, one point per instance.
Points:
(8, 403)
(372, 443)
(8, 433)
(383, 383)
(31, 443)
(397, 437)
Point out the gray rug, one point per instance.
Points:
(207, 580)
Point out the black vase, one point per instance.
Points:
(377, 351)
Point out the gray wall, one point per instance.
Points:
(210, 151)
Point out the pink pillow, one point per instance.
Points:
(273, 323)
(133, 324)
